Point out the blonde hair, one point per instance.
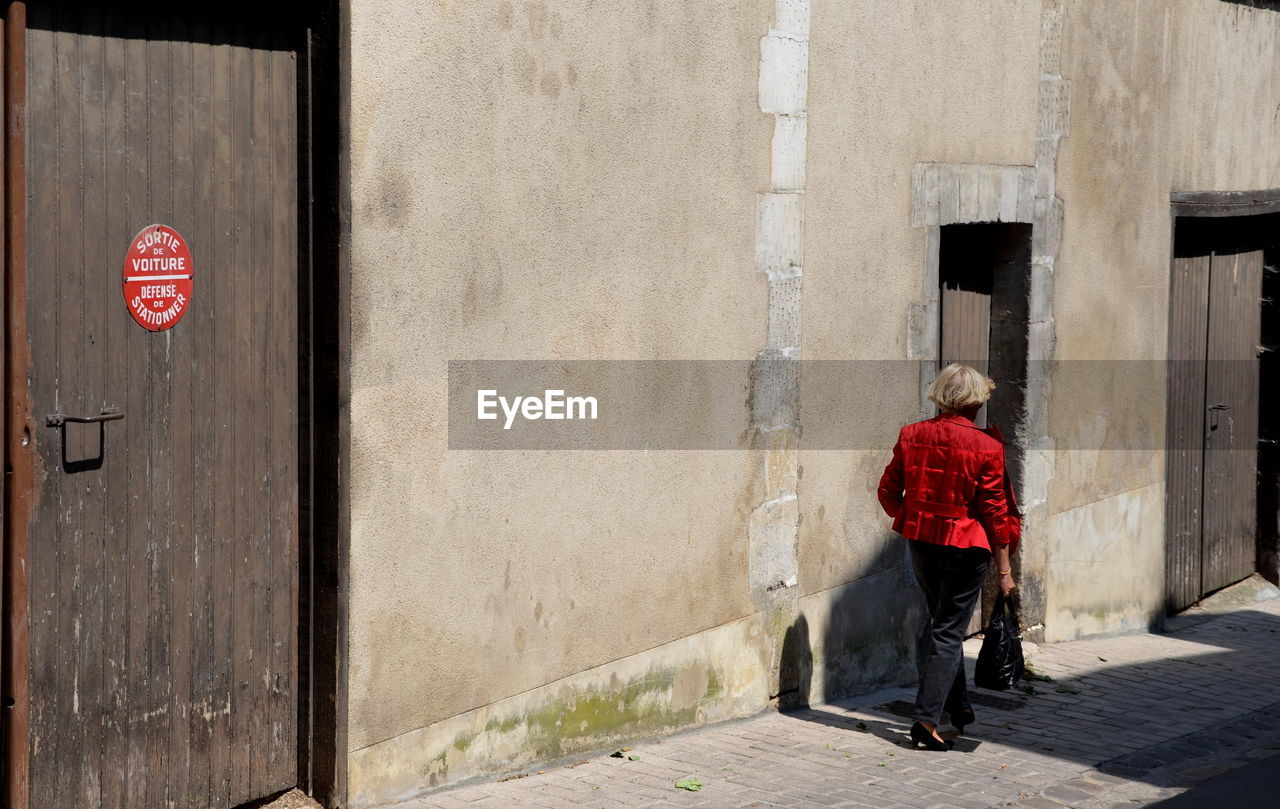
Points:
(959, 386)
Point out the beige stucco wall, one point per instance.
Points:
(581, 180)
(1164, 97)
(539, 180)
(888, 88)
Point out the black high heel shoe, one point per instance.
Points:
(921, 736)
(962, 718)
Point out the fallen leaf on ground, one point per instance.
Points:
(633, 758)
(691, 784)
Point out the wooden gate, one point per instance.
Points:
(1212, 413)
(161, 545)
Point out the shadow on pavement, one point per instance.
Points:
(1250, 785)
(1209, 693)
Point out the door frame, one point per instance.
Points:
(1216, 204)
(323, 348)
(1224, 203)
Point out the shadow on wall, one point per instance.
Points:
(871, 630)
(1274, 5)
(795, 675)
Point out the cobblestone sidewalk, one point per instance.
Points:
(1123, 721)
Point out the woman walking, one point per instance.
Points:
(948, 494)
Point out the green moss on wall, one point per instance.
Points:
(641, 707)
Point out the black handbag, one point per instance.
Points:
(1000, 663)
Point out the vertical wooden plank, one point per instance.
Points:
(1184, 427)
(221, 286)
(46, 695)
(181, 359)
(1245, 426)
(69, 398)
(159, 157)
(289, 226)
(259, 402)
(283, 444)
(966, 326)
(240, 313)
(160, 188)
(1219, 499)
(95, 273)
(309, 777)
(275, 533)
(205, 351)
(116, 562)
(141, 710)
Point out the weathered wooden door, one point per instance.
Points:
(966, 328)
(983, 301)
(1231, 424)
(1212, 429)
(1184, 425)
(162, 542)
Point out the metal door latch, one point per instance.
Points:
(1213, 419)
(61, 420)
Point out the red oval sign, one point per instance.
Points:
(157, 277)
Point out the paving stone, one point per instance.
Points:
(1038, 802)
(1103, 778)
(1065, 794)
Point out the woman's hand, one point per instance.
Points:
(1007, 584)
(1004, 569)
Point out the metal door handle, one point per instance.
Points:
(59, 419)
(1213, 419)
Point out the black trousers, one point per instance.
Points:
(952, 580)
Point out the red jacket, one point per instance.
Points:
(947, 484)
